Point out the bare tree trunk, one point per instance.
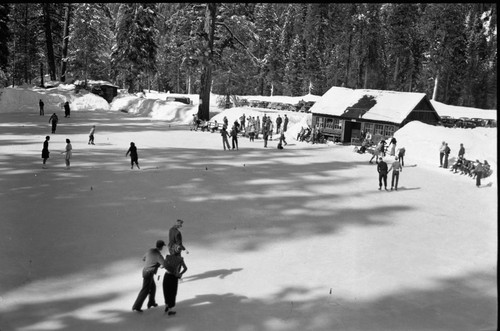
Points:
(206, 76)
(65, 43)
(48, 41)
(365, 85)
(396, 72)
(348, 66)
(41, 74)
(436, 83)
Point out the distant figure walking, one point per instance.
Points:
(68, 152)
(91, 135)
(45, 151)
(382, 173)
(282, 137)
(66, 109)
(285, 123)
(54, 119)
(225, 134)
(41, 104)
(134, 157)
(152, 261)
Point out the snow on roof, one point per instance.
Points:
(390, 106)
(460, 111)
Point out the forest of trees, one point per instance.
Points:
(447, 50)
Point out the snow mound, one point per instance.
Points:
(422, 142)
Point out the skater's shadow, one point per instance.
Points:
(221, 273)
(402, 188)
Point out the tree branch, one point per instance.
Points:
(253, 57)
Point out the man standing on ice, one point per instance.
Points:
(396, 168)
(382, 173)
(175, 239)
(41, 104)
(447, 152)
(152, 261)
(54, 119)
(224, 134)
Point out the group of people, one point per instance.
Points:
(475, 169)
(383, 170)
(252, 127)
(46, 153)
(68, 149)
(314, 135)
(381, 150)
(174, 266)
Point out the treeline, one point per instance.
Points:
(447, 50)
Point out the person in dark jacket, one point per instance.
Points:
(401, 155)
(66, 109)
(224, 134)
(447, 152)
(152, 261)
(479, 173)
(382, 173)
(54, 119)
(278, 123)
(41, 104)
(45, 151)
(175, 267)
(175, 239)
(285, 123)
(134, 157)
(461, 151)
(234, 136)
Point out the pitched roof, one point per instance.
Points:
(378, 105)
(459, 111)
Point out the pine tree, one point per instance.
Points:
(135, 50)
(91, 41)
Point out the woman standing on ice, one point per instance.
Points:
(134, 157)
(45, 151)
(68, 152)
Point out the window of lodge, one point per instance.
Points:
(389, 130)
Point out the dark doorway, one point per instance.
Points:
(351, 130)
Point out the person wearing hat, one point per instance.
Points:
(382, 173)
(175, 239)
(397, 168)
(175, 267)
(152, 261)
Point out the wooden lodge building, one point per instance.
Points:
(342, 113)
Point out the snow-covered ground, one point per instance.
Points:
(292, 239)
